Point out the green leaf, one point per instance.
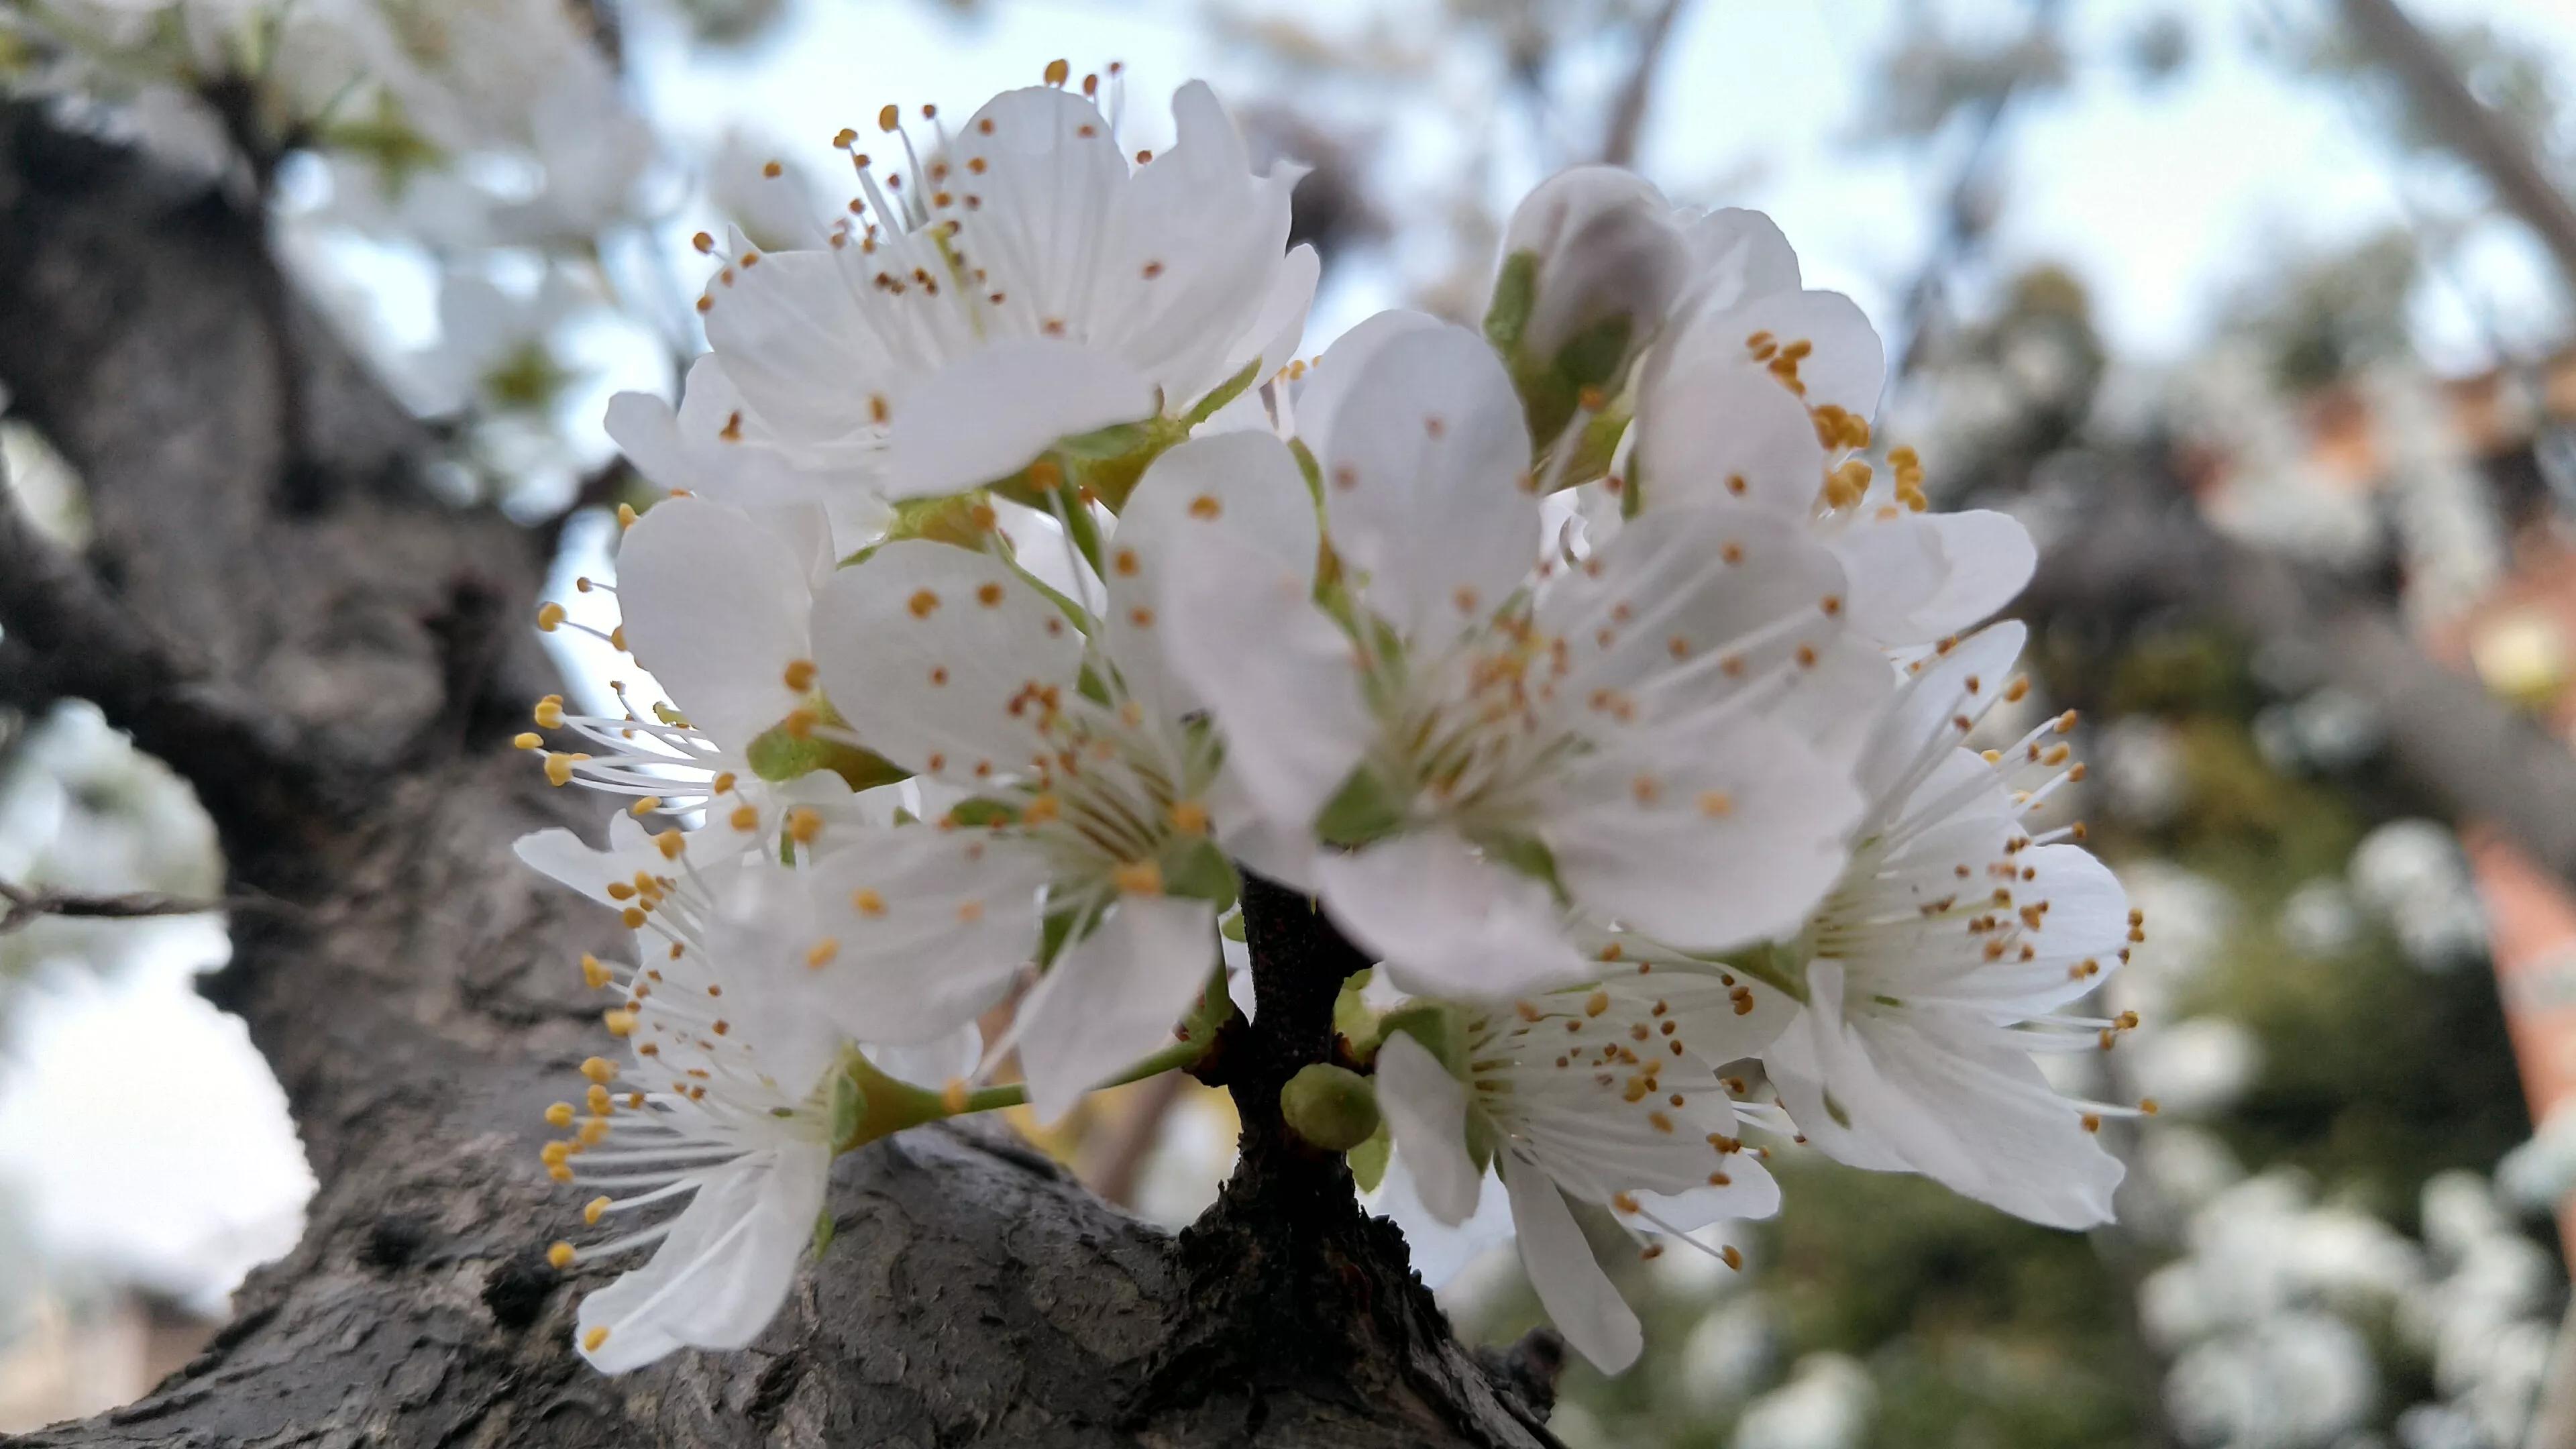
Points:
(1515, 295)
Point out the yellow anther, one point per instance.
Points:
(804, 823)
(1716, 804)
(1597, 1004)
(744, 817)
(559, 768)
(1623, 1202)
(549, 712)
(645, 806)
(555, 1154)
(618, 1020)
(592, 1338)
(594, 1130)
(597, 1100)
(1138, 878)
(560, 1255)
(821, 954)
(559, 1171)
(1057, 72)
(634, 917)
(867, 902)
(593, 974)
(671, 842)
(529, 740)
(559, 1115)
(1189, 817)
(591, 1210)
(800, 675)
(922, 603)
(550, 617)
(953, 1096)
(889, 118)
(625, 515)
(800, 723)
(599, 1069)
(722, 784)
(1040, 810)
(1731, 1257)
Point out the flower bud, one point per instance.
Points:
(1332, 1107)
(1607, 256)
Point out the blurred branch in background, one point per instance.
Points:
(2474, 131)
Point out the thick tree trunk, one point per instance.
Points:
(335, 659)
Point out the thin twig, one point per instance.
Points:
(1636, 97)
(21, 906)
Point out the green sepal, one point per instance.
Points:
(1226, 392)
(1307, 465)
(849, 1104)
(823, 1230)
(1482, 1138)
(1366, 808)
(778, 757)
(1054, 930)
(962, 519)
(1230, 925)
(884, 1105)
(1352, 1016)
(1524, 853)
(1330, 1106)
(1594, 447)
(1435, 1025)
(1368, 1160)
(1193, 866)
(1515, 297)
(984, 810)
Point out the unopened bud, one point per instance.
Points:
(1608, 255)
(1332, 1107)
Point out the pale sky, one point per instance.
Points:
(145, 1135)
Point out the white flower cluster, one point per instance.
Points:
(1017, 593)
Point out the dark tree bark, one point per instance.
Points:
(276, 607)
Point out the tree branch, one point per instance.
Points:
(21, 906)
(1636, 96)
(2475, 132)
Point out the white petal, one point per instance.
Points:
(1831, 1090)
(1708, 848)
(1716, 429)
(800, 344)
(1245, 636)
(1426, 1113)
(1447, 921)
(2018, 1147)
(719, 1277)
(1989, 557)
(991, 413)
(1200, 257)
(1736, 255)
(1242, 486)
(1113, 996)
(1920, 726)
(931, 651)
(1318, 396)
(1848, 363)
(716, 605)
(1425, 473)
(1281, 323)
(563, 857)
(1579, 1297)
(1437, 1250)
(933, 1063)
(927, 928)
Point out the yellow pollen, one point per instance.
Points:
(599, 1069)
(529, 740)
(745, 817)
(867, 902)
(800, 723)
(593, 974)
(1205, 507)
(1138, 878)
(1623, 1202)
(559, 1115)
(1189, 817)
(619, 1021)
(923, 601)
(1057, 72)
(969, 912)
(1126, 563)
(803, 824)
(549, 712)
(1716, 804)
(626, 516)
(1599, 1003)
(634, 917)
(799, 675)
(559, 768)
(597, 1100)
(594, 1130)
(550, 617)
(988, 595)
(822, 954)
(591, 1210)
(1731, 1257)
(670, 842)
(645, 806)
(560, 1255)
(555, 1154)
(594, 1337)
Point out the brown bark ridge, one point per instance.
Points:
(276, 607)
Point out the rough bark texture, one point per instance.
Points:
(276, 607)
